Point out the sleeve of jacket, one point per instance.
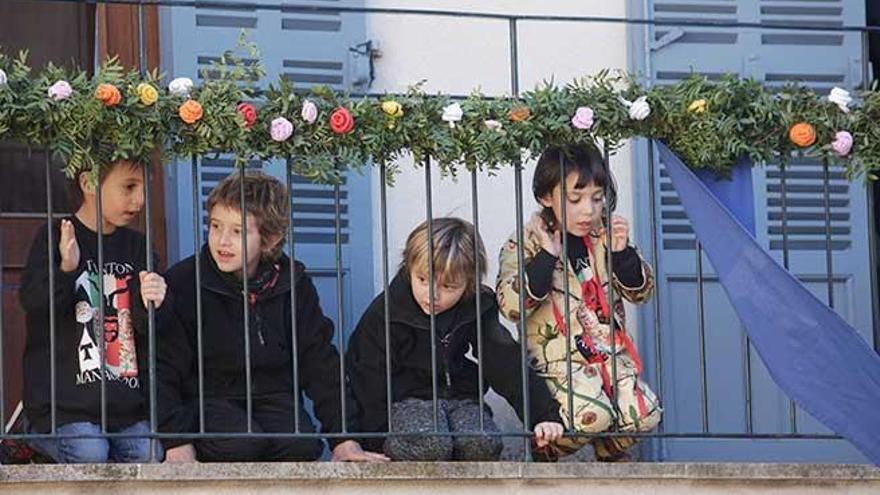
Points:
(177, 410)
(502, 364)
(508, 285)
(631, 260)
(34, 291)
(367, 372)
(318, 360)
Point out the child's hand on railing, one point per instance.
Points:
(351, 451)
(152, 288)
(181, 453)
(619, 233)
(68, 248)
(547, 432)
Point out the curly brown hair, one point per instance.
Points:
(265, 197)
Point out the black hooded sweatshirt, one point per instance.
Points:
(457, 354)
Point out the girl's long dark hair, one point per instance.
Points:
(584, 160)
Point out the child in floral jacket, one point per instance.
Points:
(591, 400)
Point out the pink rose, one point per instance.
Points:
(309, 112)
(842, 144)
(583, 118)
(60, 90)
(281, 129)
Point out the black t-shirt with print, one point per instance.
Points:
(77, 343)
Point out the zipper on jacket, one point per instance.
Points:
(259, 323)
(445, 343)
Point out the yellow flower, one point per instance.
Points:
(698, 106)
(147, 93)
(392, 108)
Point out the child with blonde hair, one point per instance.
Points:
(456, 252)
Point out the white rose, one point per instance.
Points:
(3, 79)
(639, 109)
(493, 125)
(841, 98)
(180, 86)
(452, 114)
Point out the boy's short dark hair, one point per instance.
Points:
(265, 197)
(455, 259)
(75, 195)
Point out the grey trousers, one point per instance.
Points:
(416, 415)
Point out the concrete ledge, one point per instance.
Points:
(35, 473)
(440, 478)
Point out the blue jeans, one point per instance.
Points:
(97, 450)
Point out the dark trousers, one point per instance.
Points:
(272, 414)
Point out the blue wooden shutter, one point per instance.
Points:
(821, 60)
(306, 48)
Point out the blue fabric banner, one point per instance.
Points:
(814, 356)
(735, 192)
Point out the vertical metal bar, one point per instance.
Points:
(566, 302)
(826, 196)
(50, 230)
(783, 166)
(2, 350)
(477, 283)
(431, 280)
(386, 307)
(294, 341)
(871, 202)
(523, 331)
(514, 58)
(142, 48)
(747, 356)
(99, 328)
(197, 229)
(655, 254)
(517, 173)
(340, 314)
(609, 263)
(701, 322)
(244, 299)
(151, 309)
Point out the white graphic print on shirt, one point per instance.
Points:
(120, 359)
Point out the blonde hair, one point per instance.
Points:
(454, 256)
(265, 197)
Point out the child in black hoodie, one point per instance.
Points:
(79, 341)
(270, 282)
(456, 252)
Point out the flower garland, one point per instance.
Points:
(91, 122)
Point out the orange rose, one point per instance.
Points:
(190, 112)
(519, 114)
(802, 134)
(108, 94)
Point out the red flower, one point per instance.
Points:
(341, 121)
(248, 112)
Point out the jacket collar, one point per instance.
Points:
(404, 308)
(223, 283)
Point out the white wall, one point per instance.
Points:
(456, 55)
